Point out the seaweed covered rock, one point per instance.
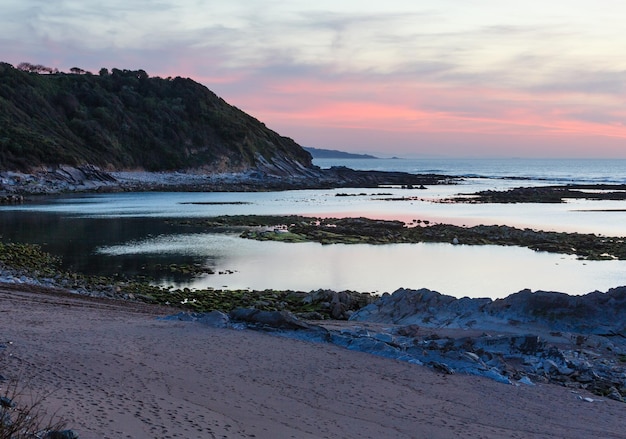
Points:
(341, 305)
(273, 319)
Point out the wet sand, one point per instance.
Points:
(115, 371)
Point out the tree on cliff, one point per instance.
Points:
(126, 119)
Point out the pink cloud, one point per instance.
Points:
(425, 110)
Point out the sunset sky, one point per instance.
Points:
(457, 78)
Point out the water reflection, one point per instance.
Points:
(474, 271)
(585, 216)
(76, 239)
(133, 234)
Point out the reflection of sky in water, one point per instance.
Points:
(578, 215)
(475, 271)
(457, 270)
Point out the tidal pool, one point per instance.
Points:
(457, 270)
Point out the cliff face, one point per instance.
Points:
(123, 120)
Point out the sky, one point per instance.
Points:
(445, 78)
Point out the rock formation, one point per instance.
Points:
(594, 313)
(527, 338)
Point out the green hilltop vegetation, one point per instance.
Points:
(125, 119)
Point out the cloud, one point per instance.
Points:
(429, 72)
(588, 81)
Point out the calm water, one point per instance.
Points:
(129, 233)
(551, 170)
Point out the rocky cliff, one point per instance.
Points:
(124, 119)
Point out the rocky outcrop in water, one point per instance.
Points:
(547, 194)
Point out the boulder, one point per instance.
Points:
(341, 305)
(214, 319)
(274, 319)
(421, 307)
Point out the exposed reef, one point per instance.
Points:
(546, 194)
(369, 231)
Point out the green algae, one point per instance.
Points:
(31, 261)
(28, 257)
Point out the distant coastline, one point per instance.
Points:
(319, 153)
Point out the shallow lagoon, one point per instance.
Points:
(474, 271)
(107, 233)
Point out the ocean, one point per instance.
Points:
(561, 171)
(124, 233)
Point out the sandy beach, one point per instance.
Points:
(113, 370)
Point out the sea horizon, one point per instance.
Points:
(556, 170)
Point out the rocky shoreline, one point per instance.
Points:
(149, 377)
(369, 231)
(88, 178)
(527, 338)
(14, 185)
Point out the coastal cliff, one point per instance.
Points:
(125, 119)
(125, 130)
